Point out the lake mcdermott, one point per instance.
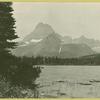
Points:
(69, 81)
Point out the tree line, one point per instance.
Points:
(86, 60)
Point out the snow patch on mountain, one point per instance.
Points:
(36, 40)
(29, 42)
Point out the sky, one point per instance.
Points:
(70, 19)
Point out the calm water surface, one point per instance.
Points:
(52, 73)
(69, 81)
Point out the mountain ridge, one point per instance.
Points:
(44, 41)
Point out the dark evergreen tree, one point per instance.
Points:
(7, 28)
(18, 71)
(7, 35)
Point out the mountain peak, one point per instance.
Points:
(44, 28)
(41, 31)
(42, 24)
(83, 37)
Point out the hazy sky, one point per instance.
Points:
(72, 19)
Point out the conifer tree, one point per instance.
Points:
(7, 28)
(7, 33)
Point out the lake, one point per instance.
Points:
(69, 81)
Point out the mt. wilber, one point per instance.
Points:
(44, 41)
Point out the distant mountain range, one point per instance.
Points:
(44, 41)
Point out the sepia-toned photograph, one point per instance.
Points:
(49, 50)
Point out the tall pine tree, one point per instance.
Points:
(7, 34)
(19, 71)
(7, 28)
